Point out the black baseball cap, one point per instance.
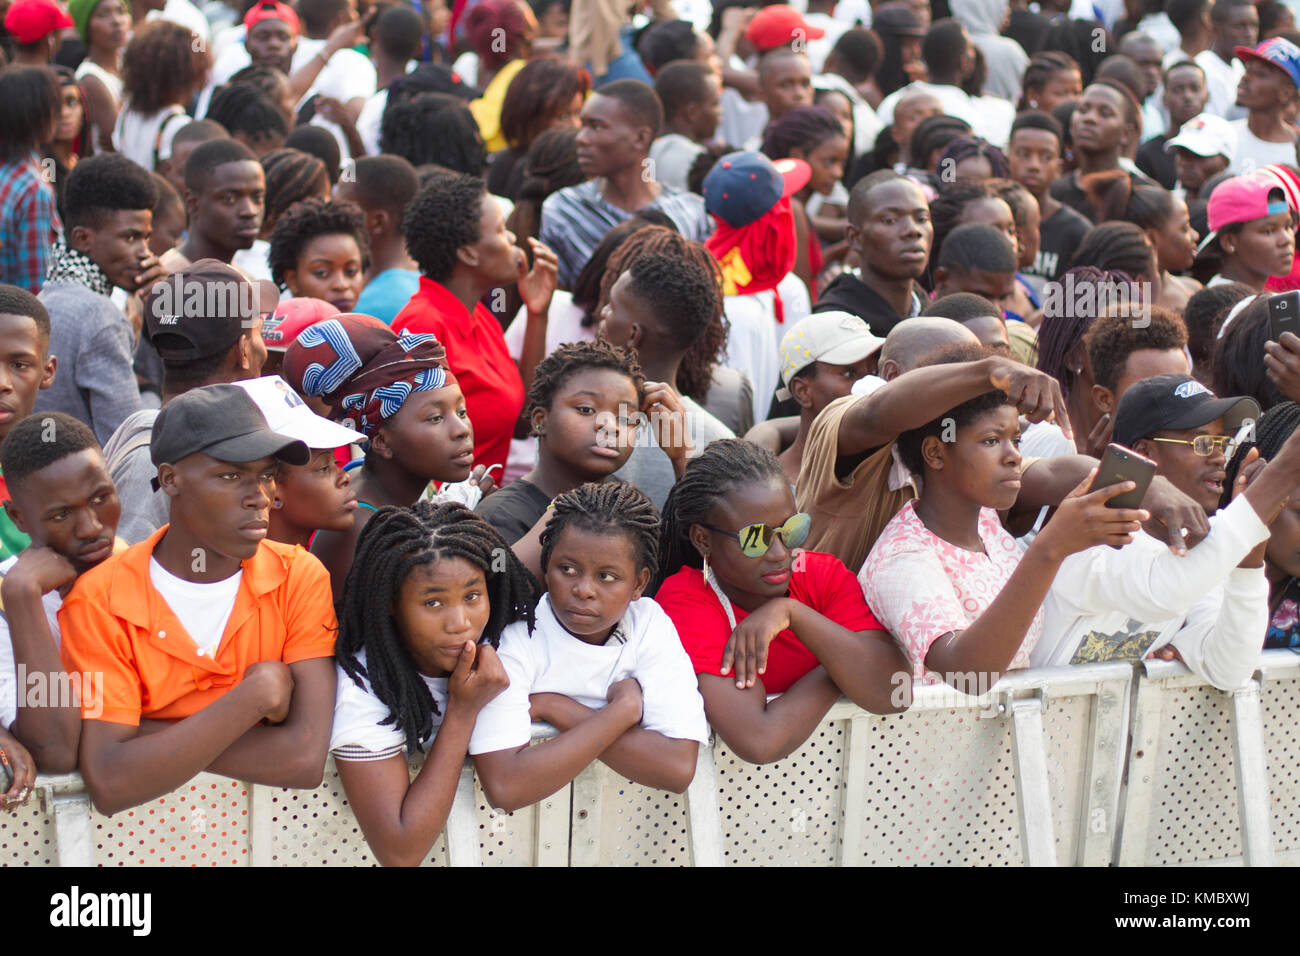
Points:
(202, 310)
(1173, 403)
(221, 421)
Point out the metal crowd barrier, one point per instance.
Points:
(1090, 765)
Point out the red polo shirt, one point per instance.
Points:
(477, 353)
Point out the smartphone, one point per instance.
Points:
(1283, 314)
(1124, 464)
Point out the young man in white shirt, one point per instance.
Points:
(1234, 23)
(1210, 605)
(1267, 91)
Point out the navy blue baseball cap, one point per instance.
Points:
(743, 187)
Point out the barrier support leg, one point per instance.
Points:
(1143, 760)
(1253, 798)
(462, 823)
(1037, 838)
(260, 834)
(853, 790)
(552, 829)
(588, 787)
(71, 827)
(1107, 741)
(703, 816)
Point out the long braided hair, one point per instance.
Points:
(607, 507)
(723, 466)
(392, 543)
(695, 374)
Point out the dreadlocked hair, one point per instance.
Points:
(695, 374)
(574, 357)
(607, 507)
(395, 541)
(1272, 430)
(1060, 335)
(723, 466)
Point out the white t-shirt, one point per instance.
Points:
(359, 732)
(1254, 153)
(551, 660)
(673, 155)
(1221, 81)
(8, 675)
(111, 83)
(186, 14)
(754, 340)
(1120, 604)
(202, 609)
(563, 325)
(142, 139)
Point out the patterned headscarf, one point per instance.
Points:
(363, 369)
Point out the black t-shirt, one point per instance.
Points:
(1153, 160)
(514, 509)
(848, 293)
(1059, 236)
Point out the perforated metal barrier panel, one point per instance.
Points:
(1085, 765)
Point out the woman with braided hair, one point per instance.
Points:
(758, 616)
(603, 664)
(424, 606)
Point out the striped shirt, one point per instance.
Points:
(575, 219)
(29, 224)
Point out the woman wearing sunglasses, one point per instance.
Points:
(758, 616)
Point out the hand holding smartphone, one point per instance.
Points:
(1284, 315)
(1124, 464)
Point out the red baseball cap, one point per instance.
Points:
(272, 10)
(32, 20)
(290, 317)
(779, 25)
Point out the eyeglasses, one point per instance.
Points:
(1203, 445)
(756, 539)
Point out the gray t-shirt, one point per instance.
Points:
(144, 510)
(91, 337)
(649, 468)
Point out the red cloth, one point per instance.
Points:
(477, 354)
(819, 580)
(756, 257)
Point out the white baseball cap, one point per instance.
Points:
(836, 338)
(1206, 135)
(287, 414)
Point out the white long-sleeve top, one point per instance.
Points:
(1120, 604)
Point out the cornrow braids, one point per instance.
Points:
(1116, 247)
(574, 357)
(804, 127)
(395, 541)
(695, 374)
(607, 507)
(291, 176)
(1039, 72)
(724, 465)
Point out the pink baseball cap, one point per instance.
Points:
(1242, 199)
(290, 317)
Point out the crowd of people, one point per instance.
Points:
(390, 379)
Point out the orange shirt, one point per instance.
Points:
(115, 623)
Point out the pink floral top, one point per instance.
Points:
(921, 587)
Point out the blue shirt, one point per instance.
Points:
(387, 293)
